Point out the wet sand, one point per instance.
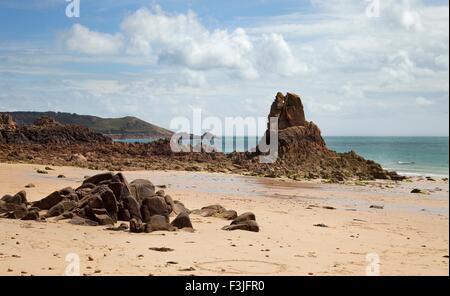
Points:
(409, 235)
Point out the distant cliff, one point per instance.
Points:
(126, 127)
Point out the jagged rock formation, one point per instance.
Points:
(46, 130)
(289, 110)
(296, 135)
(108, 198)
(303, 152)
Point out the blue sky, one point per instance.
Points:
(156, 60)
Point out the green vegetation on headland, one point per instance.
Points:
(126, 127)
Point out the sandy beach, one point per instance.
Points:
(409, 235)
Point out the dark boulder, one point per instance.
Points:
(244, 218)
(101, 197)
(104, 219)
(136, 226)
(11, 207)
(141, 189)
(182, 221)
(55, 198)
(248, 225)
(61, 208)
(18, 199)
(31, 216)
(209, 211)
(228, 215)
(77, 220)
(179, 207)
(120, 190)
(97, 179)
(158, 223)
(131, 205)
(154, 205)
(13, 211)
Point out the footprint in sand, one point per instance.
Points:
(242, 267)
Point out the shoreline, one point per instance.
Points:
(410, 233)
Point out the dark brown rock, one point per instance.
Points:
(209, 211)
(31, 216)
(131, 205)
(11, 207)
(136, 226)
(158, 223)
(61, 208)
(99, 178)
(228, 215)
(154, 205)
(119, 189)
(248, 225)
(244, 218)
(55, 198)
(104, 219)
(141, 189)
(179, 207)
(77, 220)
(289, 109)
(18, 199)
(182, 221)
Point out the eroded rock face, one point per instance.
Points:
(302, 152)
(7, 122)
(296, 135)
(182, 221)
(289, 110)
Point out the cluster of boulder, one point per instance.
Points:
(245, 221)
(107, 198)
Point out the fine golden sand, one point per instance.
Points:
(409, 236)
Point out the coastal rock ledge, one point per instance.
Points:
(302, 152)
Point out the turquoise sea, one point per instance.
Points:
(406, 155)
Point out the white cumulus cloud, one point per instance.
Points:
(84, 40)
(421, 101)
(181, 39)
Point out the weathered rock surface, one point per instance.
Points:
(141, 189)
(244, 218)
(182, 221)
(104, 199)
(56, 197)
(247, 226)
(245, 221)
(302, 152)
(18, 199)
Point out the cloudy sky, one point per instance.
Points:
(357, 73)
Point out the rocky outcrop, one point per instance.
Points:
(103, 199)
(46, 131)
(289, 110)
(302, 152)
